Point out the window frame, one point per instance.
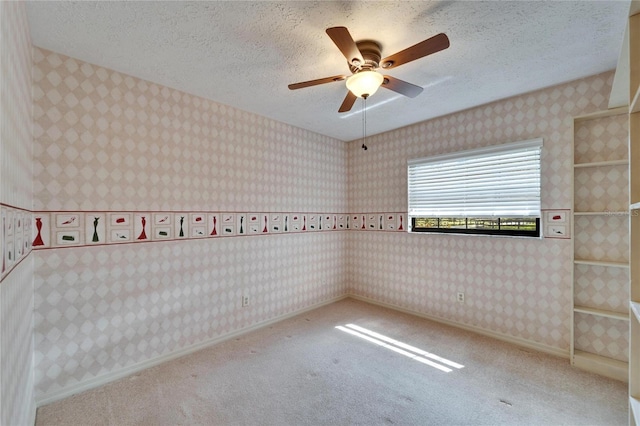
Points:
(446, 160)
(495, 232)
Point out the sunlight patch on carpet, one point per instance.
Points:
(412, 352)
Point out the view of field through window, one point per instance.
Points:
(451, 224)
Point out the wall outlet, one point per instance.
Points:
(460, 297)
(245, 301)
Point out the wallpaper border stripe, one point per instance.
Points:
(22, 230)
(15, 237)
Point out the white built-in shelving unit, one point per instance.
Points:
(600, 328)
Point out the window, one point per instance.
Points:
(493, 190)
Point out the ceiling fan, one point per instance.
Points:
(363, 58)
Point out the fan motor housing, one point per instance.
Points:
(370, 51)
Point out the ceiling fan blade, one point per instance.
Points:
(346, 44)
(401, 86)
(348, 102)
(316, 82)
(424, 48)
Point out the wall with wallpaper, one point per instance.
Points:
(518, 288)
(156, 211)
(17, 404)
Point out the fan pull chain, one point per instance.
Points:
(364, 123)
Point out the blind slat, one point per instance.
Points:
(490, 182)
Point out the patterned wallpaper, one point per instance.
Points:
(17, 403)
(602, 336)
(602, 139)
(170, 209)
(118, 158)
(15, 89)
(514, 286)
(602, 287)
(603, 238)
(102, 309)
(106, 141)
(602, 189)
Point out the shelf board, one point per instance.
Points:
(604, 366)
(602, 114)
(634, 307)
(609, 213)
(634, 206)
(601, 313)
(601, 263)
(602, 163)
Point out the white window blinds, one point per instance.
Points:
(498, 181)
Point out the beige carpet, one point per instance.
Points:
(305, 371)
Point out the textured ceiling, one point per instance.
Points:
(244, 54)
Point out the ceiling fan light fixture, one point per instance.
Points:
(364, 83)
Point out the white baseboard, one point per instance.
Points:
(32, 413)
(95, 382)
(612, 368)
(499, 336)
